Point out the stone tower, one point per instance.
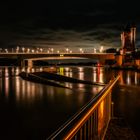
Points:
(128, 37)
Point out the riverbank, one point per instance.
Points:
(54, 79)
(34, 78)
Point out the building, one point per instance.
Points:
(128, 38)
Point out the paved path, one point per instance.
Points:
(118, 129)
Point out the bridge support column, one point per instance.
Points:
(22, 63)
(119, 59)
(29, 63)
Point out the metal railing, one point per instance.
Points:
(91, 122)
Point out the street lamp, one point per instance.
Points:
(41, 49)
(67, 50)
(23, 49)
(17, 49)
(28, 50)
(33, 51)
(6, 50)
(94, 50)
(52, 50)
(101, 49)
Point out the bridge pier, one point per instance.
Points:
(22, 63)
(28, 63)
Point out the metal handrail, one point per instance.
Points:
(81, 117)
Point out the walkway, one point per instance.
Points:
(118, 129)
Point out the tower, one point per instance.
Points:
(128, 37)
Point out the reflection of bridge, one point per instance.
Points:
(30, 57)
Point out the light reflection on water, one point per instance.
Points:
(27, 101)
(129, 78)
(44, 108)
(126, 96)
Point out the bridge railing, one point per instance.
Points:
(91, 121)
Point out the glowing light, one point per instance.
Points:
(28, 70)
(101, 49)
(101, 77)
(101, 117)
(67, 50)
(80, 69)
(28, 50)
(94, 50)
(136, 80)
(17, 71)
(81, 75)
(6, 87)
(68, 85)
(61, 70)
(33, 70)
(23, 69)
(6, 50)
(6, 72)
(41, 50)
(17, 82)
(23, 49)
(67, 69)
(94, 77)
(52, 50)
(128, 79)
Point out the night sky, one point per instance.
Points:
(66, 23)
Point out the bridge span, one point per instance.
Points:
(101, 57)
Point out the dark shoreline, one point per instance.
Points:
(53, 79)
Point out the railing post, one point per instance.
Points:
(112, 109)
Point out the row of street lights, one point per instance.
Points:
(49, 50)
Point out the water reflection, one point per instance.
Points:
(126, 97)
(6, 87)
(129, 78)
(40, 104)
(29, 91)
(14, 71)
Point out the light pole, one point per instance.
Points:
(52, 50)
(41, 50)
(94, 50)
(67, 50)
(23, 49)
(101, 49)
(17, 49)
(28, 50)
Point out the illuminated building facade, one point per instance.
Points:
(128, 37)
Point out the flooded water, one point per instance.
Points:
(33, 111)
(30, 110)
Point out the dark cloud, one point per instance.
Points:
(62, 23)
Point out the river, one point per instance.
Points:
(34, 111)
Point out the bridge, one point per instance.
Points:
(30, 57)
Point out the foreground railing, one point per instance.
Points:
(91, 122)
